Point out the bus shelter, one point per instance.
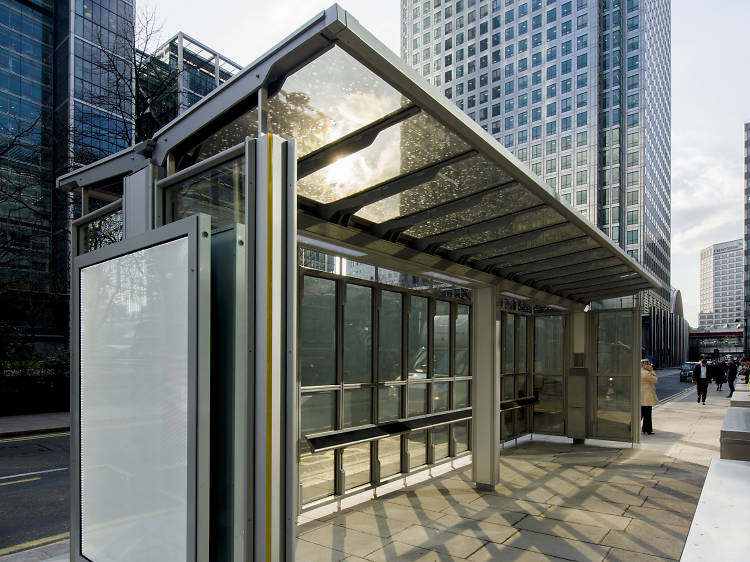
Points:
(320, 280)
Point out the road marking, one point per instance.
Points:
(31, 545)
(33, 473)
(32, 437)
(19, 481)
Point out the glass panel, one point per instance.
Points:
(134, 365)
(497, 202)
(522, 420)
(507, 425)
(461, 436)
(442, 338)
(548, 408)
(522, 359)
(614, 343)
(508, 392)
(228, 136)
(538, 254)
(548, 344)
(528, 241)
(389, 332)
(328, 98)
(100, 232)
(417, 444)
(462, 341)
(316, 475)
(456, 180)
(463, 394)
(357, 334)
(389, 403)
(441, 396)
(317, 340)
(528, 266)
(357, 406)
(509, 350)
(440, 442)
(418, 399)
(356, 462)
(613, 407)
(521, 389)
(218, 192)
(317, 412)
(351, 268)
(312, 259)
(389, 455)
(399, 149)
(418, 312)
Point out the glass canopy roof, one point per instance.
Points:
(381, 153)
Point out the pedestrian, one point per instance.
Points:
(720, 374)
(731, 375)
(649, 399)
(701, 378)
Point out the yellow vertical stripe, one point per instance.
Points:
(269, 347)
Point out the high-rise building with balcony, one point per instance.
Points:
(579, 90)
(721, 287)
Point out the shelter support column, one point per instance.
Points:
(486, 391)
(577, 379)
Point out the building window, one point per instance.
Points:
(581, 197)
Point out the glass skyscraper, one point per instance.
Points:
(721, 296)
(579, 90)
(746, 283)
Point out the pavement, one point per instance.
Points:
(12, 426)
(557, 501)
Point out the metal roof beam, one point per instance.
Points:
(529, 251)
(353, 142)
(607, 288)
(389, 228)
(574, 269)
(516, 238)
(341, 210)
(589, 278)
(553, 262)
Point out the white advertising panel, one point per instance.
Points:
(134, 381)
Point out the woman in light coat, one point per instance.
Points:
(648, 394)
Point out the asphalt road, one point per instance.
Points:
(669, 383)
(34, 483)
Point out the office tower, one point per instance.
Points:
(579, 90)
(722, 280)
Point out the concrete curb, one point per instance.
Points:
(675, 396)
(21, 433)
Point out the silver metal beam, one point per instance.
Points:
(499, 243)
(502, 258)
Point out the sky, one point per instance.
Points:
(710, 99)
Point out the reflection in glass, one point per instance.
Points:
(440, 396)
(357, 406)
(100, 232)
(615, 343)
(509, 350)
(389, 403)
(521, 389)
(462, 341)
(520, 234)
(418, 399)
(507, 425)
(317, 342)
(522, 359)
(461, 436)
(218, 192)
(389, 456)
(440, 442)
(356, 463)
(316, 475)
(463, 394)
(418, 312)
(522, 420)
(508, 393)
(317, 412)
(442, 338)
(613, 407)
(417, 444)
(548, 344)
(548, 408)
(329, 98)
(357, 330)
(389, 332)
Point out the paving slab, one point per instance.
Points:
(557, 546)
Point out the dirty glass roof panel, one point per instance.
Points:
(402, 148)
(328, 98)
(526, 240)
(540, 253)
(455, 180)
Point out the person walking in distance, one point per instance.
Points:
(649, 399)
(701, 379)
(731, 375)
(720, 374)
